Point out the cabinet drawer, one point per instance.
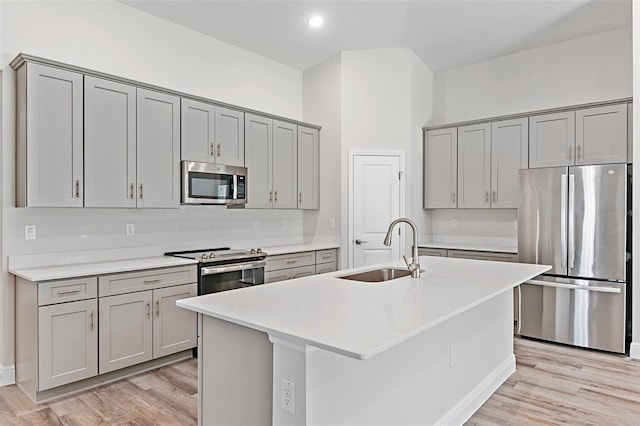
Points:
(432, 252)
(323, 268)
(275, 276)
(146, 280)
(304, 271)
(498, 257)
(67, 290)
(326, 256)
(290, 260)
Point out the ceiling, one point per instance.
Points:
(443, 33)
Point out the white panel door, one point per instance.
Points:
(109, 143)
(197, 131)
(474, 166)
(441, 168)
(174, 329)
(54, 137)
(158, 149)
(229, 136)
(285, 165)
(258, 152)
(125, 330)
(67, 343)
(509, 153)
(601, 135)
(308, 168)
(376, 203)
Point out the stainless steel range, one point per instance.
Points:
(221, 269)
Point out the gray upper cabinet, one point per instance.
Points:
(308, 168)
(197, 131)
(474, 166)
(211, 134)
(109, 143)
(229, 136)
(509, 153)
(552, 140)
(601, 135)
(440, 168)
(49, 137)
(272, 163)
(158, 149)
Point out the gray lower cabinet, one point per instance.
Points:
(75, 329)
(303, 264)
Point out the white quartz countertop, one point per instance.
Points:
(472, 246)
(45, 273)
(359, 319)
(296, 248)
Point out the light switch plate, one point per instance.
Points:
(30, 232)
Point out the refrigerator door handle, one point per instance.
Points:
(574, 286)
(572, 221)
(563, 219)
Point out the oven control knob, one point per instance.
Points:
(259, 250)
(212, 255)
(252, 251)
(204, 256)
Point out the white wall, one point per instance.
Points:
(586, 69)
(322, 98)
(110, 37)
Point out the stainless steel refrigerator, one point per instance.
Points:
(575, 219)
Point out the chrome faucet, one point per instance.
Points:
(414, 266)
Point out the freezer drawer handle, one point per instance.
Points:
(575, 287)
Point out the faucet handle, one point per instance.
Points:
(406, 261)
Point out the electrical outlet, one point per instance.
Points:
(285, 224)
(332, 223)
(452, 356)
(30, 232)
(256, 225)
(288, 396)
(454, 223)
(130, 230)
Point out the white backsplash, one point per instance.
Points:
(494, 226)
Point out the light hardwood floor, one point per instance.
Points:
(553, 384)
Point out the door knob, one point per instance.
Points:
(359, 241)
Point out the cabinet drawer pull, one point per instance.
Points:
(326, 256)
(157, 280)
(141, 187)
(157, 308)
(148, 310)
(91, 319)
(77, 188)
(291, 262)
(77, 290)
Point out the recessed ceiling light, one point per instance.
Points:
(315, 21)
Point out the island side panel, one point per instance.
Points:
(236, 374)
(415, 382)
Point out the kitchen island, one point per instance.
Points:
(325, 350)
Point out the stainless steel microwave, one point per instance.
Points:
(207, 183)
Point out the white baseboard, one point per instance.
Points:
(634, 351)
(7, 375)
(463, 410)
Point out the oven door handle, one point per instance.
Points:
(221, 269)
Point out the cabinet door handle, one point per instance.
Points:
(300, 197)
(486, 196)
(77, 188)
(148, 310)
(211, 147)
(77, 290)
(218, 150)
(453, 197)
(131, 195)
(275, 196)
(270, 196)
(92, 319)
(579, 152)
(495, 196)
(157, 308)
(141, 187)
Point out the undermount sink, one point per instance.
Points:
(378, 275)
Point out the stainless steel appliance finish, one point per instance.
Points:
(577, 312)
(208, 183)
(575, 219)
(221, 269)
